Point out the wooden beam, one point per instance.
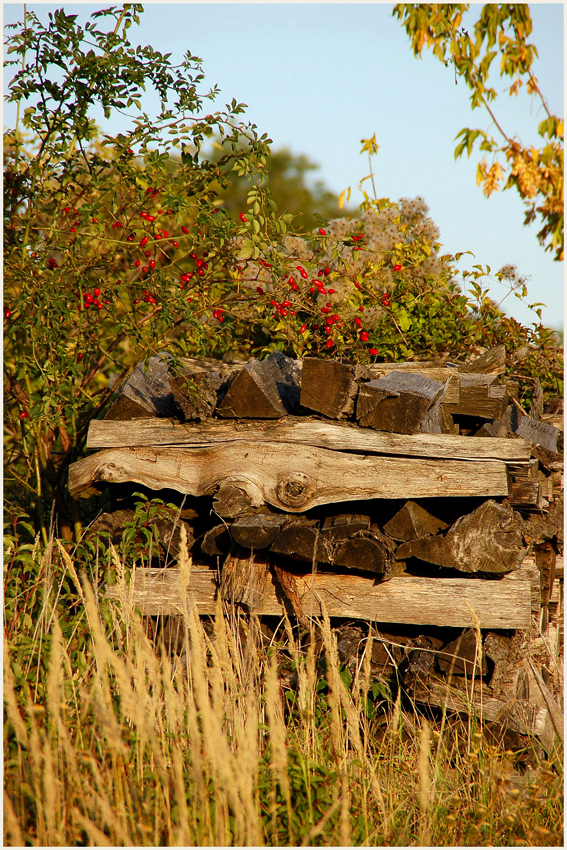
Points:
(311, 432)
(289, 477)
(498, 604)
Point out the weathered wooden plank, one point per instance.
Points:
(286, 476)
(498, 604)
(160, 432)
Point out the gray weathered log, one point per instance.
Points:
(498, 603)
(487, 540)
(285, 476)
(343, 437)
(397, 403)
(413, 521)
(328, 387)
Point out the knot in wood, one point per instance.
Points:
(294, 490)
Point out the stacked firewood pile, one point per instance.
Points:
(416, 494)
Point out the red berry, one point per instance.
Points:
(325, 309)
(397, 268)
(7, 312)
(259, 290)
(327, 271)
(329, 343)
(322, 232)
(144, 269)
(144, 241)
(129, 239)
(274, 303)
(96, 292)
(147, 253)
(152, 264)
(80, 355)
(291, 281)
(364, 336)
(302, 328)
(160, 212)
(24, 415)
(295, 287)
(137, 263)
(136, 300)
(73, 230)
(330, 291)
(175, 244)
(185, 229)
(88, 299)
(95, 220)
(373, 351)
(243, 218)
(130, 150)
(361, 309)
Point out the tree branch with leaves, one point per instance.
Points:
(501, 31)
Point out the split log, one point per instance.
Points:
(233, 498)
(420, 658)
(244, 578)
(146, 393)
(286, 477)
(524, 487)
(302, 541)
(264, 389)
(461, 658)
(498, 603)
(397, 403)
(492, 361)
(328, 387)
(197, 395)
(540, 433)
(364, 553)
(297, 430)
(217, 541)
(487, 540)
(256, 531)
(413, 521)
(285, 581)
(479, 396)
(342, 526)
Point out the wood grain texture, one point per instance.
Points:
(498, 604)
(311, 432)
(288, 477)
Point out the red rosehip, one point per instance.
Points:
(325, 309)
(152, 264)
(373, 351)
(73, 230)
(95, 220)
(259, 290)
(144, 269)
(243, 218)
(185, 229)
(144, 241)
(295, 287)
(397, 268)
(302, 329)
(364, 336)
(329, 343)
(24, 414)
(147, 253)
(320, 273)
(137, 263)
(96, 291)
(361, 309)
(330, 291)
(327, 271)
(322, 232)
(136, 300)
(87, 297)
(80, 355)
(175, 244)
(7, 312)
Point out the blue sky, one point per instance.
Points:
(318, 78)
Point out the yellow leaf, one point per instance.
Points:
(342, 199)
(560, 129)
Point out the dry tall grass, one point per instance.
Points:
(211, 748)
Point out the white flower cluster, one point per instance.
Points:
(509, 272)
(295, 246)
(371, 317)
(254, 275)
